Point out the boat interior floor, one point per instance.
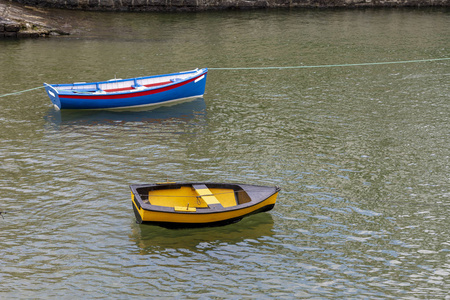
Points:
(197, 196)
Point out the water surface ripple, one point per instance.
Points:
(361, 154)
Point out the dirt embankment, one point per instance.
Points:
(24, 21)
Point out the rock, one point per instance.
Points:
(201, 5)
(12, 27)
(20, 21)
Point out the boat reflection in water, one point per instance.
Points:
(182, 111)
(151, 237)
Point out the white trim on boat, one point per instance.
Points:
(200, 78)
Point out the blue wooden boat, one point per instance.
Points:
(128, 93)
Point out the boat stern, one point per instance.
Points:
(53, 94)
(138, 212)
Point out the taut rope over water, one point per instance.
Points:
(334, 66)
(20, 92)
(290, 67)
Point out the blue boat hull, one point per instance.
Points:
(77, 96)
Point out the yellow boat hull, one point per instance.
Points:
(199, 204)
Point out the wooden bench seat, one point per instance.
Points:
(204, 192)
(128, 88)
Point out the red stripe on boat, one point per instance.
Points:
(132, 94)
(119, 90)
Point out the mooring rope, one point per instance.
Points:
(335, 66)
(3, 213)
(35, 209)
(289, 67)
(20, 92)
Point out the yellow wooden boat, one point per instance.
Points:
(172, 204)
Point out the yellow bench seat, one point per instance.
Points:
(204, 192)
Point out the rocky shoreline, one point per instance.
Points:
(203, 5)
(20, 21)
(32, 18)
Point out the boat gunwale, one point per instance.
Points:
(62, 91)
(195, 71)
(199, 211)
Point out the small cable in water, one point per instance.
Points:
(2, 213)
(289, 67)
(20, 92)
(334, 66)
(36, 209)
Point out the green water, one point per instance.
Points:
(361, 154)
